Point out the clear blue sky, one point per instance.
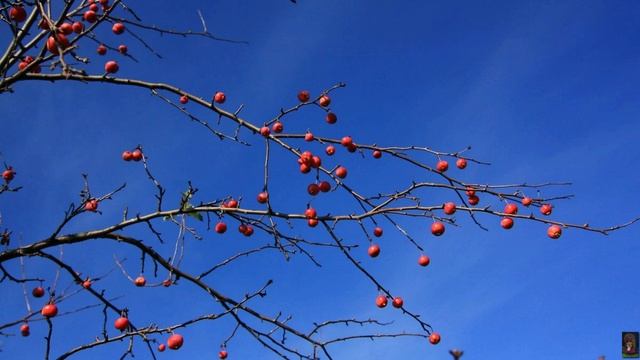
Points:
(545, 91)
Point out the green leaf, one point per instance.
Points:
(196, 215)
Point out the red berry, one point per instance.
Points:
(310, 213)
(461, 163)
(49, 310)
(304, 168)
(341, 172)
(470, 191)
(554, 231)
(242, 228)
(546, 209)
(346, 141)
(38, 292)
(43, 24)
(248, 231)
(111, 67)
(277, 127)
(434, 338)
(161, 347)
(140, 281)
(91, 205)
(330, 150)
(8, 174)
(35, 69)
(316, 162)
(263, 197)
(121, 323)
(304, 96)
(437, 228)
(313, 189)
(264, 131)
(167, 283)
(101, 50)
(90, 16)
(324, 101)
(526, 201)
(381, 301)
(308, 137)
(474, 200)
(312, 222)
(306, 157)
(117, 28)
(219, 97)
(377, 231)
(511, 209)
(397, 302)
(57, 40)
(93, 7)
(24, 330)
(424, 260)
(123, 49)
(506, 223)
(377, 154)
(221, 227)
(449, 208)
(374, 250)
(77, 27)
(231, 204)
(184, 99)
(136, 155)
(442, 166)
(324, 186)
(66, 28)
(17, 13)
(331, 118)
(223, 354)
(86, 284)
(352, 148)
(175, 341)
(28, 60)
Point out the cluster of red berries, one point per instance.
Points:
(315, 188)
(59, 40)
(507, 222)
(135, 155)
(219, 97)
(347, 142)
(25, 63)
(374, 249)
(472, 198)
(49, 310)
(443, 165)
(175, 341)
(245, 229)
(307, 161)
(312, 217)
(382, 301)
(304, 97)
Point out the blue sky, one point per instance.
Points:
(544, 91)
